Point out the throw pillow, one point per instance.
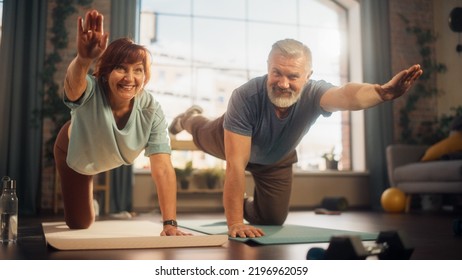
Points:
(452, 144)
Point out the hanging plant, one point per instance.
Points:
(53, 107)
(424, 88)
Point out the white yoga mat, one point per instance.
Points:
(122, 234)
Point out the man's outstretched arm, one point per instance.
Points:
(359, 96)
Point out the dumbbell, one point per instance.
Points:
(389, 245)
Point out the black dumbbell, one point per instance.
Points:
(390, 245)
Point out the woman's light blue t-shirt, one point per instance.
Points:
(96, 144)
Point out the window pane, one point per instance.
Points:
(261, 37)
(220, 9)
(225, 52)
(320, 13)
(180, 7)
(281, 12)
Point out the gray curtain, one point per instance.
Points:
(21, 56)
(124, 14)
(377, 69)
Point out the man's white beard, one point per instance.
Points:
(282, 101)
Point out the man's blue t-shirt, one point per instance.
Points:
(251, 113)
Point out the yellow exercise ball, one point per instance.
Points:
(393, 200)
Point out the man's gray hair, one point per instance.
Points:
(292, 48)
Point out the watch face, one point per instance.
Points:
(455, 19)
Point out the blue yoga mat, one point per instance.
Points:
(285, 234)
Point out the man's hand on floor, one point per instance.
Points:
(244, 230)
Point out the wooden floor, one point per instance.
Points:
(431, 234)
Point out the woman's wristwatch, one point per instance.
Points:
(171, 223)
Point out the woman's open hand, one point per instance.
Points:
(91, 39)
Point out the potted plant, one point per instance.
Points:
(183, 175)
(424, 87)
(212, 176)
(331, 160)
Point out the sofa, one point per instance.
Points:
(408, 172)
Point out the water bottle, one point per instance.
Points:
(8, 211)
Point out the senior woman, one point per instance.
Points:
(113, 119)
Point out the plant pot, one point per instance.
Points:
(211, 182)
(331, 164)
(183, 184)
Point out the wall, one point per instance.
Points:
(450, 82)
(405, 52)
(433, 15)
(307, 192)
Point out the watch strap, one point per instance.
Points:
(171, 223)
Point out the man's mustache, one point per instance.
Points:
(283, 90)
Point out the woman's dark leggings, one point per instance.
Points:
(77, 189)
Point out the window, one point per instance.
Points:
(204, 49)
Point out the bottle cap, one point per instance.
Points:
(8, 183)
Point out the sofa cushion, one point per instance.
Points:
(431, 171)
(450, 145)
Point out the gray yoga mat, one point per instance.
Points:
(285, 234)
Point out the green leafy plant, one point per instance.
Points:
(330, 155)
(212, 176)
(183, 175)
(53, 108)
(445, 121)
(331, 159)
(424, 88)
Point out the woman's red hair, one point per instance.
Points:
(121, 51)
